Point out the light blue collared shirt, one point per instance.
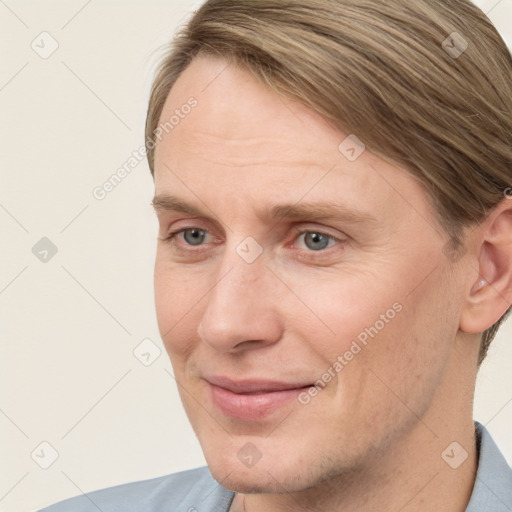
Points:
(197, 491)
(493, 484)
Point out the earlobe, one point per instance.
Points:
(490, 295)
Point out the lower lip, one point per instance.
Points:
(251, 407)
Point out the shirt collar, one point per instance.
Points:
(493, 484)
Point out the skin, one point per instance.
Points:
(372, 438)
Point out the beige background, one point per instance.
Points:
(69, 326)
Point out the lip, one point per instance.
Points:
(251, 399)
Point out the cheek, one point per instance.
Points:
(342, 310)
(377, 322)
(402, 366)
(177, 303)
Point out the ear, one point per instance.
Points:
(491, 292)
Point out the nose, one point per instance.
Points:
(241, 310)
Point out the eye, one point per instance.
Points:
(317, 241)
(191, 236)
(194, 236)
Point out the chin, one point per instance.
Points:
(252, 482)
(283, 473)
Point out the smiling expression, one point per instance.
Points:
(275, 253)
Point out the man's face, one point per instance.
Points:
(296, 264)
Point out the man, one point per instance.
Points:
(332, 184)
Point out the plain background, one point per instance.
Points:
(69, 326)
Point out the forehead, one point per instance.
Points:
(243, 140)
(235, 108)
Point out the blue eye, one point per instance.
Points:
(310, 241)
(315, 241)
(193, 236)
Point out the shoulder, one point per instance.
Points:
(188, 491)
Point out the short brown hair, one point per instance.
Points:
(396, 73)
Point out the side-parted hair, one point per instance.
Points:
(425, 84)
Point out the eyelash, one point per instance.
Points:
(297, 234)
(173, 234)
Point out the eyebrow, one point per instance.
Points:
(297, 211)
